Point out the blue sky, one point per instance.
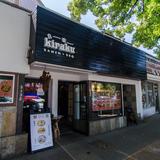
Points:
(60, 6)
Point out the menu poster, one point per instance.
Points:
(106, 96)
(6, 88)
(40, 131)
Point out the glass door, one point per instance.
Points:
(129, 100)
(76, 114)
(80, 107)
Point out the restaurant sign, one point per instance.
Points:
(153, 66)
(58, 46)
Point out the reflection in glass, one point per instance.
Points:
(106, 97)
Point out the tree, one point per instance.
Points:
(141, 18)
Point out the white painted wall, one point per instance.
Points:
(139, 99)
(14, 39)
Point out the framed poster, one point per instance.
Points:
(7, 85)
(40, 131)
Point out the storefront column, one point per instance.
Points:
(55, 97)
(20, 90)
(139, 99)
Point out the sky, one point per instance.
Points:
(60, 6)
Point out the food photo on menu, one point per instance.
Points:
(41, 132)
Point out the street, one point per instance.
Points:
(139, 142)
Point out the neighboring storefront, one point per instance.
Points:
(151, 87)
(14, 44)
(96, 79)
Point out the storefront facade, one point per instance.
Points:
(100, 76)
(151, 87)
(96, 80)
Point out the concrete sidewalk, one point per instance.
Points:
(141, 142)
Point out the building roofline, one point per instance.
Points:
(15, 6)
(151, 56)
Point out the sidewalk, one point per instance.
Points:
(141, 142)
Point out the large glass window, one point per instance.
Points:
(144, 94)
(106, 99)
(149, 94)
(151, 101)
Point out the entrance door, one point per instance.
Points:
(72, 105)
(65, 104)
(129, 99)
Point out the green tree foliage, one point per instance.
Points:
(141, 18)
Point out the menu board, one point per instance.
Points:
(40, 131)
(106, 96)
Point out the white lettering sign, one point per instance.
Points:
(59, 46)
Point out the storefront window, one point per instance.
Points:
(144, 95)
(33, 89)
(149, 94)
(106, 99)
(151, 101)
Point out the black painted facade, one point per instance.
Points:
(91, 49)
